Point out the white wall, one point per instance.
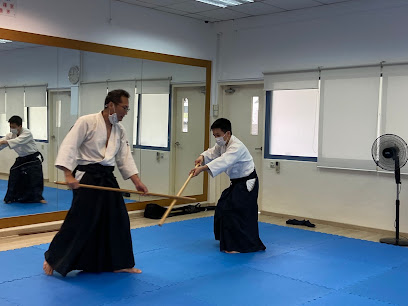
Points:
(114, 23)
(338, 35)
(349, 33)
(345, 196)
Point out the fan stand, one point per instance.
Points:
(397, 240)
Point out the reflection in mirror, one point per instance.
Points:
(52, 87)
(27, 72)
(170, 131)
(100, 74)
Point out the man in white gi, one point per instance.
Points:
(26, 181)
(236, 214)
(95, 236)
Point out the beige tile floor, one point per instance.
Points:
(137, 220)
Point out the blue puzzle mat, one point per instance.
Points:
(182, 265)
(57, 200)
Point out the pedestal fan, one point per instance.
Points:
(389, 152)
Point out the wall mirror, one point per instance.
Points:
(50, 82)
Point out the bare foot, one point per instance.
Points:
(43, 201)
(47, 268)
(231, 252)
(129, 270)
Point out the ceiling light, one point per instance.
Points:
(225, 3)
(3, 41)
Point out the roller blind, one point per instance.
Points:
(15, 102)
(299, 80)
(92, 97)
(349, 100)
(35, 96)
(394, 103)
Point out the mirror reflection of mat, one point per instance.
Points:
(51, 195)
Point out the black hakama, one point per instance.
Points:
(236, 217)
(95, 236)
(26, 181)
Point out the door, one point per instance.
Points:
(187, 143)
(62, 118)
(244, 105)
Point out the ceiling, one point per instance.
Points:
(210, 13)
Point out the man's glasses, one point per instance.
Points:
(125, 108)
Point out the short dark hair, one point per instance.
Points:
(115, 96)
(17, 120)
(223, 124)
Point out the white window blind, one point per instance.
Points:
(154, 119)
(35, 96)
(4, 125)
(15, 102)
(349, 100)
(153, 113)
(153, 86)
(2, 100)
(92, 97)
(395, 103)
(38, 123)
(299, 80)
(294, 123)
(128, 121)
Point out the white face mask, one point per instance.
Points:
(113, 118)
(220, 141)
(14, 131)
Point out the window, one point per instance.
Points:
(185, 115)
(255, 115)
(38, 122)
(135, 119)
(4, 125)
(153, 123)
(292, 124)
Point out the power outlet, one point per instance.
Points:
(271, 165)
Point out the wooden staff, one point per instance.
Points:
(175, 200)
(177, 197)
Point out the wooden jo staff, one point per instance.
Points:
(177, 197)
(175, 200)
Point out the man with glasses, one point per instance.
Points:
(95, 236)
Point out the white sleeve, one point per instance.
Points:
(124, 158)
(24, 138)
(226, 160)
(211, 154)
(68, 151)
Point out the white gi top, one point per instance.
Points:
(233, 159)
(23, 144)
(85, 144)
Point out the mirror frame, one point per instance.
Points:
(53, 41)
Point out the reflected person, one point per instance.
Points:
(26, 181)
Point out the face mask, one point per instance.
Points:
(113, 118)
(14, 131)
(220, 141)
